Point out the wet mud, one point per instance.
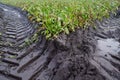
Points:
(91, 54)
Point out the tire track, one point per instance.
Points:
(69, 57)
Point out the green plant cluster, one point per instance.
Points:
(59, 16)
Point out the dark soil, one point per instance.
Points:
(91, 54)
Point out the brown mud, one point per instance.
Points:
(91, 54)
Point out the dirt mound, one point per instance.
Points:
(81, 55)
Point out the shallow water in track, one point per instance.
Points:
(107, 55)
(107, 58)
(108, 46)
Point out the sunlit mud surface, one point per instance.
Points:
(91, 54)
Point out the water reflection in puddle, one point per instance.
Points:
(106, 58)
(108, 46)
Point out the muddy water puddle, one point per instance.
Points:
(108, 46)
(107, 58)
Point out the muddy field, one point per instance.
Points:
(91, 54)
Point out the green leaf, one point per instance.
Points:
(66, 30)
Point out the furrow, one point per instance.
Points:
(12, 76)
(10, 61)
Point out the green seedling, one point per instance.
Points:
(65, 16)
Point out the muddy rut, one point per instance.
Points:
(91, 54)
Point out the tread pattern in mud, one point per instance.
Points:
(14, 29)
(108, 61)
(69, 57)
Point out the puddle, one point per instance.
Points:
(107, 59)
(108, 46)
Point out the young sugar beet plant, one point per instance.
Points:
(59, 16)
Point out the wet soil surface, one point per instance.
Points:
(91, 54)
